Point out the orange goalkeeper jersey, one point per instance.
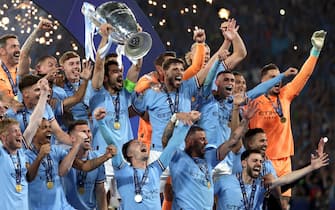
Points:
(279, 135)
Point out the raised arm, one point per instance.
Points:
(106, 133)
(59, 133)
(177, 138)
(239, 50)
(24, 60)
(32, 169)
(85, 76)
(316, 163)
(89, 165)
(239, 132)
(187, 118)
(198, 58)
(37, 115)
(264, 87)
(67, 162)
(307, 69)
(99, 71)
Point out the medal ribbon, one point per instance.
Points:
(81, 177)
(138, 186)
(278, 109)
(203, 168)
(247, 204)
(17, 167)
(116, 103)
(47, 165)
(173, 106)
(9, 76)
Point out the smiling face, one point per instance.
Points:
(240, 85)
(86, 145)
(253, 165)
(258, 142)
(12, 137)
(43, 133)
(10, 52)
(137, 151)
(114, 78)
(269, 75)
(225, 83)
(72, 68)
(31, 95)
(174, 75)
(48, 64)
(196, 144)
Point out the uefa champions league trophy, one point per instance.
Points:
(134, 44)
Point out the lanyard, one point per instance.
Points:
(9, 76)
(203, 168)
(24, 116)
(173, 106)
(116, 103)
(17, 167)
(81, 177)
(247, 204)
(47, 165)
(278, 109)
(138, 186)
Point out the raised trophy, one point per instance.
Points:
(125, 30)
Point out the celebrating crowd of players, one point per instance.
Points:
(204, 140)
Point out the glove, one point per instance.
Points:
(317, 40)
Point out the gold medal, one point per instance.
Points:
(50, 185)
(283, 119)
(18, 188)
(81, 190)
(117, 125)
(209, 184)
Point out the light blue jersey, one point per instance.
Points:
(267, 167)
(102, 98)
(87, 200)
(215, 119)
(80, 110)
(157, 104)
(229, 193)
(10, 198)
(150, 191)
(192, 188)
(40, 197)
(23, 116)
(124, 173)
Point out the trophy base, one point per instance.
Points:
(138, 45)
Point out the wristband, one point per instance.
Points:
(315, 52)
(174, 118)
(129, 85)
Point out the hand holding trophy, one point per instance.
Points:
(125, 29)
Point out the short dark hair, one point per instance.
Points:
(224, 72)
(267, 68)
(125, 150)
(109, 63)
(192, 130)
(43, 58)
(167, 63)
(236, 73)
(250, 134)
(27, 81)
(5, 37)
(247, 153)
(73, 124)
(161, 58)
